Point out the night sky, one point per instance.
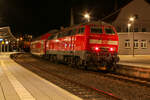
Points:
(39, 16)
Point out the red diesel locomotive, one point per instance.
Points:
(88, 44)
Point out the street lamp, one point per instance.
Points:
(87, 16)
(132, 19)
(129, 25)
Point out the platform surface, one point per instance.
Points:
(136, 60)
(17, 83)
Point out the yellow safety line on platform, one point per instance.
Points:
(21, 91)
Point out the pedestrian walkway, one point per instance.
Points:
(17, 83)
(142, 61)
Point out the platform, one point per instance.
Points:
(17, 83)
(142, 61)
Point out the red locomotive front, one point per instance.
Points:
(102, 46)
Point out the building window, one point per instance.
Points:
(127, 44)
(118, 29)
(143, 29)
(136, 29)
(136, 44)
(143, 44)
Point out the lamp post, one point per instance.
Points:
(7, 43)
(18, 44)
(87, 16)
(132, 19)
(129, 25)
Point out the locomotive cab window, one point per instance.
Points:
(109, 30)
(97, 30)
(81, 30)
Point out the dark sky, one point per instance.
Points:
(39, 16)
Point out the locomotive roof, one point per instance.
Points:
(88, 23)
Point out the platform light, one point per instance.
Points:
(6, 42)
(132, 19)
(17, 39)
(87, 16)
(129, 25)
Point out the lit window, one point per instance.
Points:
(136, 44)
(127, 44)
(143, 44)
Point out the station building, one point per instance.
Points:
(134, 38)
(6, 39)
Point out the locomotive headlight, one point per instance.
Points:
(112, 49)
(95, 49)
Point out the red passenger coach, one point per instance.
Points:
(38, 46)
(92, 44)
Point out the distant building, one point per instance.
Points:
(139, 9)
(141, 43)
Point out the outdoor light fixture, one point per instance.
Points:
(129, 25)
(87, 16)
(132, 19)
(6, 42)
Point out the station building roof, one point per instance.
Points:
(5, 34)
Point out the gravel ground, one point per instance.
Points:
(122, 89)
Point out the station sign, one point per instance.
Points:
(1, 39)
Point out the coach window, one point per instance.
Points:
(81, 30)
(109, 30)
(136, 44)
(127, 44)
(96, 30)
(143, 44)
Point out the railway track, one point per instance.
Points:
(83, 91)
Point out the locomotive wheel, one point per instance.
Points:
(84, 64)
(77, 62)
(50, 58)
(112, 67)
(55, 59)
